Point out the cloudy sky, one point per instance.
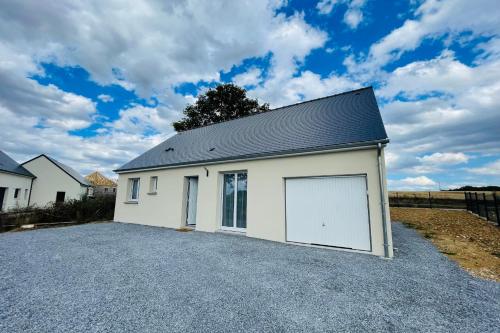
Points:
(96, 83)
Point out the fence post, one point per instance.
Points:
(485, 206)
(476, 204)
(430, 201)
(466, 196)
(496, 208)
(397, 199)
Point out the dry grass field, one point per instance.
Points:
(453, 195)
(463, 237)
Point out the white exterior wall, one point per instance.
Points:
(265, 193)
(50, 180)
(11, 182)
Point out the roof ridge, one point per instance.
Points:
(281, 107)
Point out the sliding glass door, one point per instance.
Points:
(234, 201)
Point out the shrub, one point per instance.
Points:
(100, 208)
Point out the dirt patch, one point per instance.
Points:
(463, 237)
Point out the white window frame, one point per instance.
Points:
(153, 184)
(131, 189)
(235, 173)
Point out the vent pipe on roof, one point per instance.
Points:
(382, 200)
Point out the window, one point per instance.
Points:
(26, 194)
(153, 184)
(114, 189)
(16, 193)
(133, 189)
(105, 189)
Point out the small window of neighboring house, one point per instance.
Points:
(133, 189)
(114, 190)
(60, 196)
(105, 189)
(16, 193)
(25, 194)
(153, 184)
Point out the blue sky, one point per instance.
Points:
(95, 84)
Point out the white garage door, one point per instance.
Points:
(329, 211)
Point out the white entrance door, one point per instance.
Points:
(329, 211)
(191, 200)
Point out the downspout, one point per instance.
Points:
(382, 200)
(31, 188)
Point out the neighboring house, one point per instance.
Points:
(101, 185)
(54, 182)
(308, 173)
(15, 184)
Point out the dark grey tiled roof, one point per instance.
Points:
(7, 164)
(68, 170)
(340, 120)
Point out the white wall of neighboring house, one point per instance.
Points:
(11, 182)
(50, 180)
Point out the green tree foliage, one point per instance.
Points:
(222, 103)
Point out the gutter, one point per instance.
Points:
(319, 150)
(382, 200)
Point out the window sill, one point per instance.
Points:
(152, 193)
(131, 202)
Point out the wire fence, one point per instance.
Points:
(484, 205)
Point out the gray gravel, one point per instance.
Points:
(132, 278)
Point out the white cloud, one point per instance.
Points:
(105, 98)
(492, 168)
(447, 106)
(413, 183)
(353, 15)
(252, 77)
(325, 7)
(149, 49)
(444, 158)
(48, 105)
(433, 19)
(307, 85)
(157, 44)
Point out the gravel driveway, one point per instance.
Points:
(128, 278)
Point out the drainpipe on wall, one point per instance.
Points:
(31, 188)
(382, 200)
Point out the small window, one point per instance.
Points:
(105, 189)
(133, 189)
(114, 189)
(16, 193)
(26, 194)
(153, 184)
(60, 196)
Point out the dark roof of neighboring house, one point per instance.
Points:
(343, 120)
(7, 164)
(68, 170)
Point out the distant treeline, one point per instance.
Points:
(476, 188)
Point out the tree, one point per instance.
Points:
(224, 102)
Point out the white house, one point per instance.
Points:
(54, 182)
(308, 173)
(15, 184)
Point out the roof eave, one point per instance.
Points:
(324, 149)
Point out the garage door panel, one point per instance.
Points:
(328, 211)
